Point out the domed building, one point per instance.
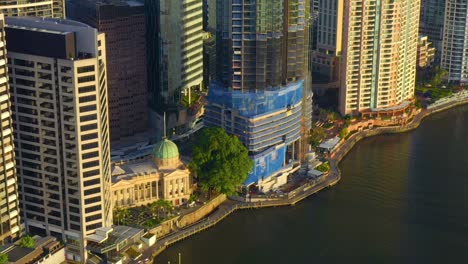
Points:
(161, 175)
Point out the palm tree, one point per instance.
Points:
(121, 214)
(153, 208)
(167, 206)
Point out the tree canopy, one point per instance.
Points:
(219, 161)
(317, 134)
(27, 242)
(3, 258)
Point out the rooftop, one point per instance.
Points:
(115, 238)
(132, 169)
(330, 143)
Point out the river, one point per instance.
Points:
(402, 199)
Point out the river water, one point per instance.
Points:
(402, 199)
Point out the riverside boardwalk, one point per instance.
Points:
(306, 190)
(230, 206)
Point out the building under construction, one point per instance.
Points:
(262, 92)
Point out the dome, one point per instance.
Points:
(165, 149)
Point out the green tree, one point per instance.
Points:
(317, 134)
(439, 76)
(344, 133)
(219, 161)
(27, 242)
(3, 258)
(121, 215)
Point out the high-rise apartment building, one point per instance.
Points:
(432, 22)
(325, 57)
(38, 8)
(9, 214)
(123, 22)
(455, 41)
(379, 49)
(262, 92)
(175, 61)
(59, 98)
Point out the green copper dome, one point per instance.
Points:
(165, 149)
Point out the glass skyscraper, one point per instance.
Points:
(262, 92)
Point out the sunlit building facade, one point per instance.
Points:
(325, 56)
(9, 215)
(61, 131)
(378, 67)
(175, 62)
(38, 8)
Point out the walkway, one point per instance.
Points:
(230, 206)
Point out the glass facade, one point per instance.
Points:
(262, 92)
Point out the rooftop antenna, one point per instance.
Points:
(164, 125)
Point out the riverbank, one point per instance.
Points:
(307, 190)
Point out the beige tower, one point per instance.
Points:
(58, 81)
(9, 223)
(380, 39)
(39, 8)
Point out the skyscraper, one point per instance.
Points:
(175, 61)
(432, 22)
(262, 92)
(325, 57)
(380, 41)
(9, 221)
(123, 22)
(39, 8)
(455, 41)
(58, 83)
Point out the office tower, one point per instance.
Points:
(432, 22)
(262, 92)
(379, 48)
(455, 42)
(59, 98)
(38, 8)
(123, 22)
(10, 222)
(209, 41)
(325, 57)
(314, 16)
(175, 62)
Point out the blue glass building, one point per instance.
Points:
(262, 92)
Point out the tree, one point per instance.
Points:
(317, 134)
(27, 242)
(121, 215)
(344, 133)
(439, 76)
(3, 258)
(219, 161)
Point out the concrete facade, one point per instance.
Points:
(426, 52)
(455, 42)
(38, 8)
(61, 128)
(10, 220)
(378, 68)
